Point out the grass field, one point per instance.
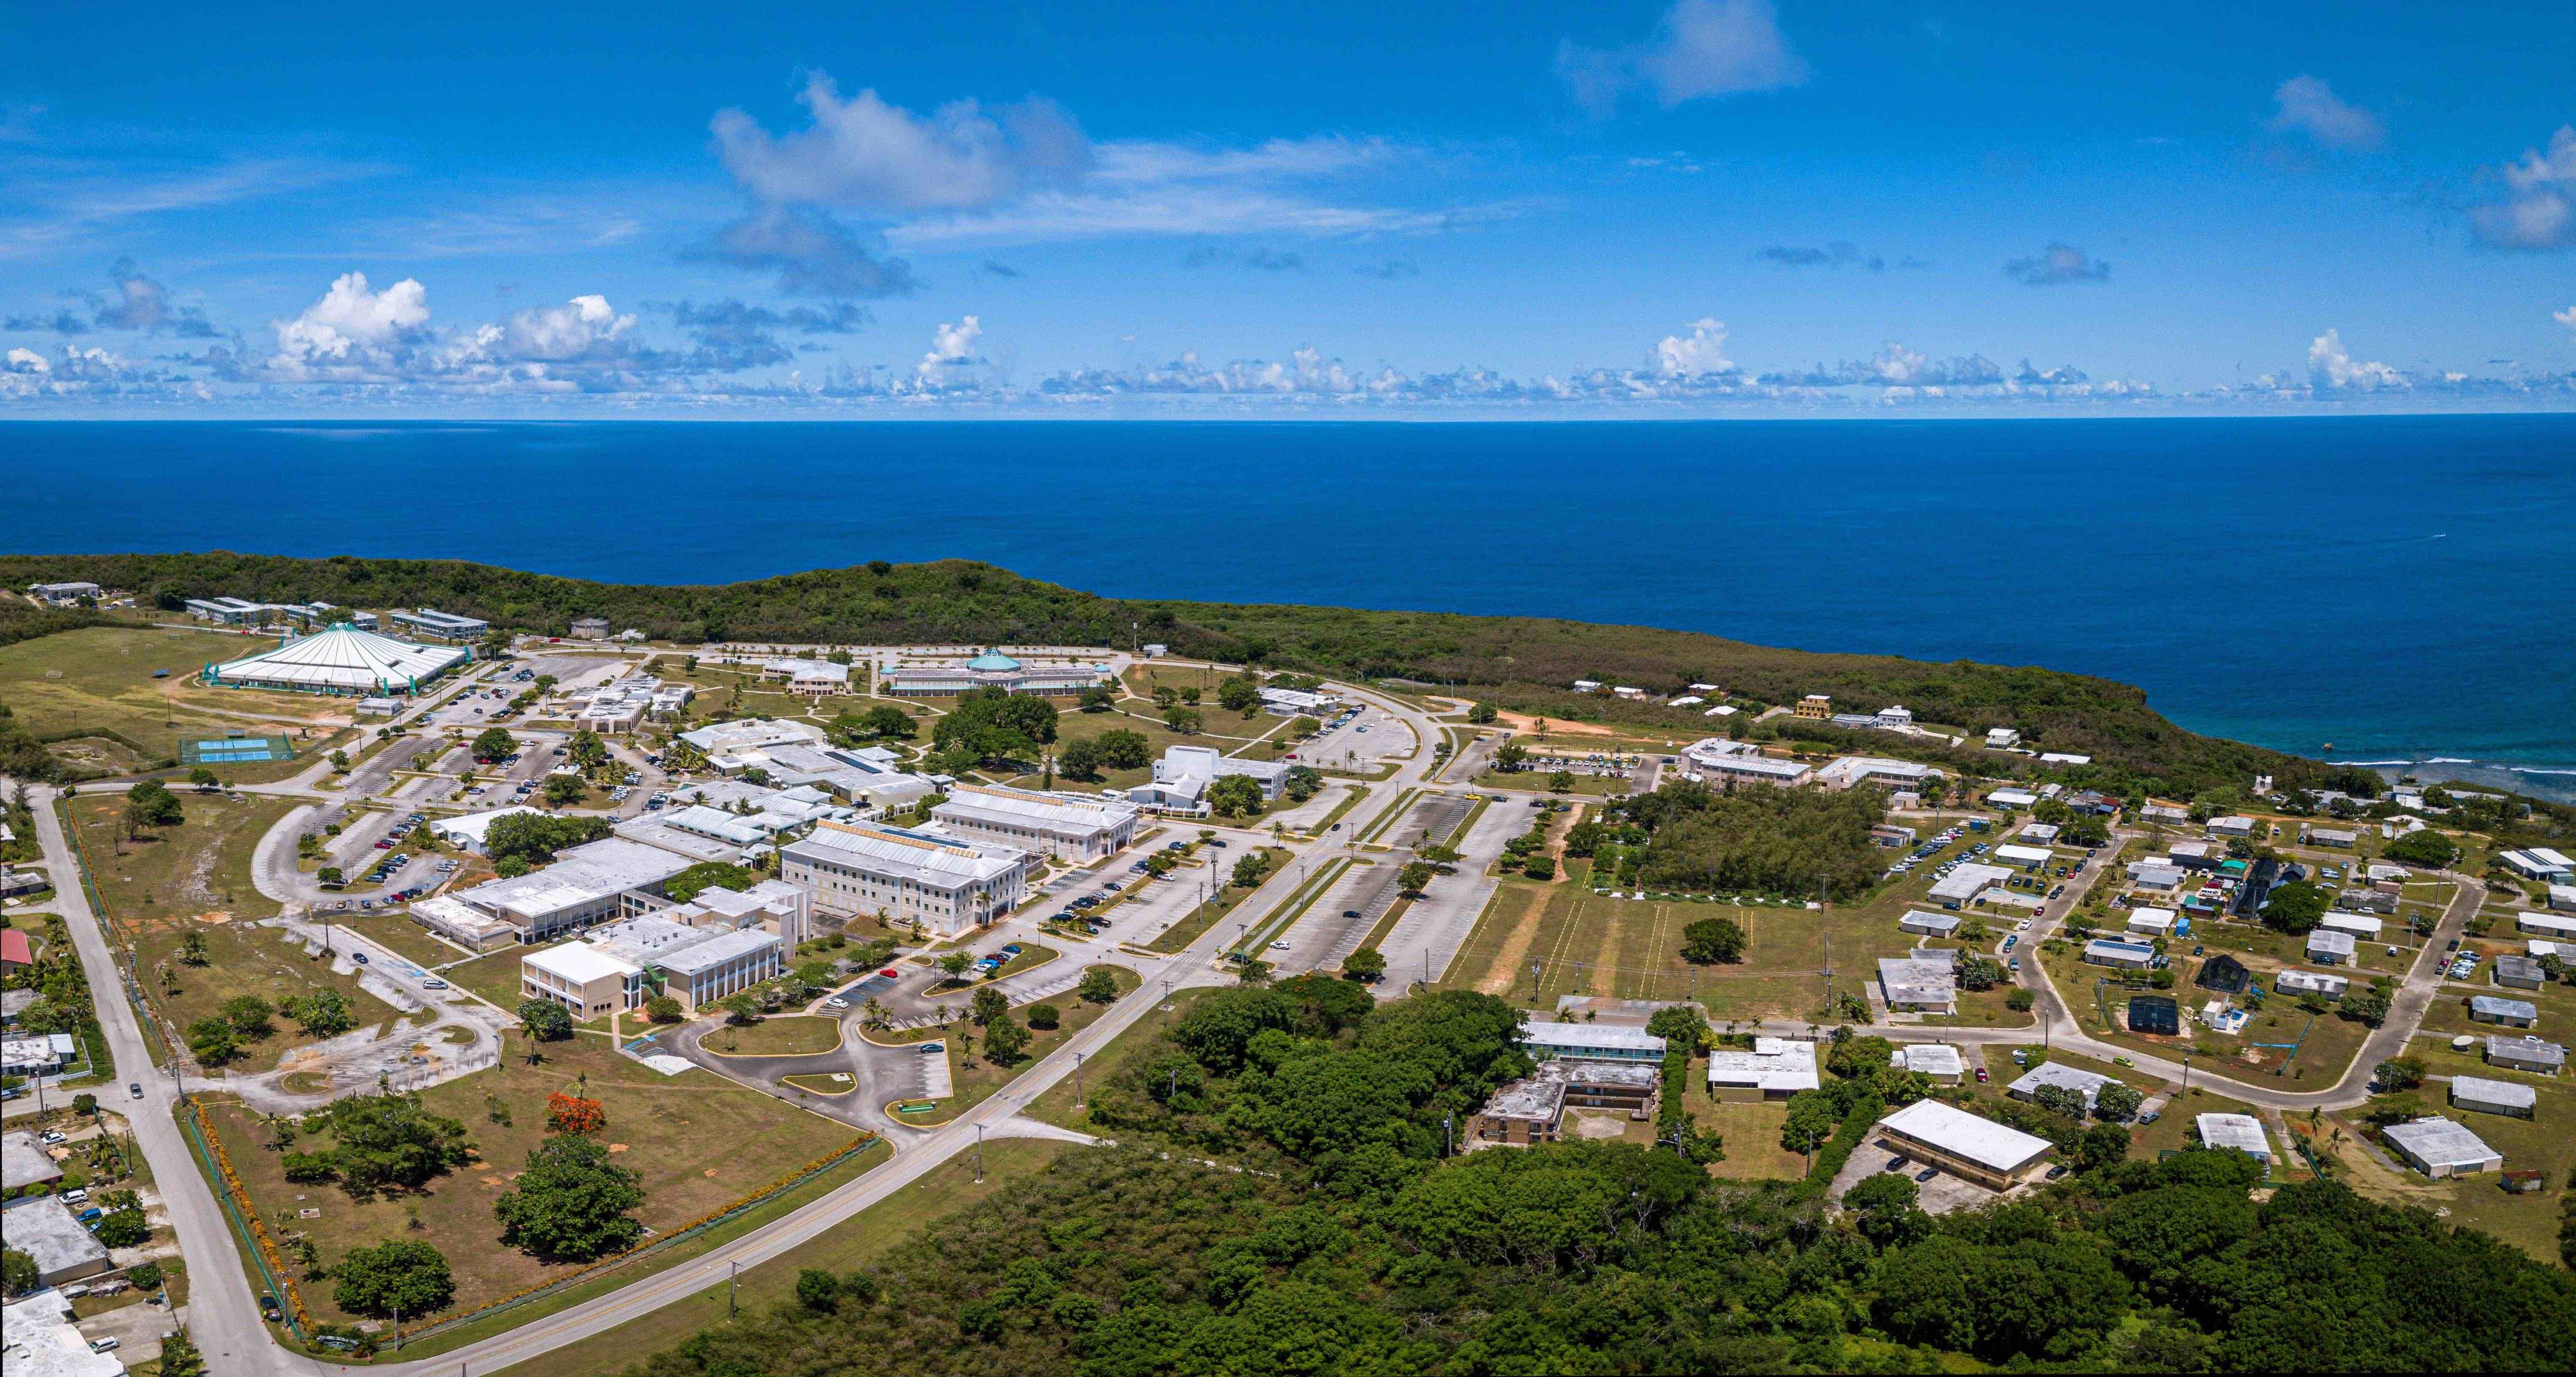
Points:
(1057, 1104)
(698, 1141)
(101, 676)
(2326, 1042)
(1592, 944)
(793, 1036)
(975, 1078)
(2542, 1143)
(943, 1191)
(401, 936)
(1228, 732)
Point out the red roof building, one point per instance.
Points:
(14, 950)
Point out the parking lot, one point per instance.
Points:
(1940, 1193)
(1359, 744)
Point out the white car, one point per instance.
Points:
(2022, 926)
(1279, 946)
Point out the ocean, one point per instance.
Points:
(2395, 589)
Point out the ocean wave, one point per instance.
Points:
(2367, 763)
(2535, 770)
(2448, 760)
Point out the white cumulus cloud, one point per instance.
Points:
(952, 365)
(1701, 352)
(2539, 209)
(867, 155)
(2309, 106)
(352, 322)
(2566, 317)
(2332, 368)
(1702, 48)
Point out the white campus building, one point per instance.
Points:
(946, 884)
(1079, 827)
(342, 661)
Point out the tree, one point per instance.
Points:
(2400, 1073)
(545, 1020)
(2368, 1006)
(2019, 1000)
(575, 1113)
(2424, 847)
(179, 1356)
(1713, 940)
(1045, 1016)
(586, 749)
(572, 1204)
(1980, 973)
(18, 1271)
(1238, 695)
(203, 778)
(330, 877)
(2116, 1103)
(1540, 868)
(1481, 713)
(384, 1141)
(2295, 908)
(1510, 756)
(156, 804)
(954, 965)
(817, 1289)
(1414, 877)
(1004, 1041)
(1098, 986)
(1121, 749)
(1233, 795)
(741, 1008)
(1680, 1025)
(494, 743)
(1080, 759)
(146, 1276)
(1366, 965)
(249, 1015)
(1185, 721)
(2059, 1099)
(987, 1005)
(212, 1041)
(564, 790)
(664, 1009)
(1560, 781)
(886, 720)
(1251, 869)
(1098, 698)
(1301, 782)
(192, 948)
(396, 1277)
(125, 1228)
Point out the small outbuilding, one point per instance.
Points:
(2441, 1149)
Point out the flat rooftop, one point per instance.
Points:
(1967, 1136)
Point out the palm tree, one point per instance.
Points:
(873, 1017)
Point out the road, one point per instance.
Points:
(223, 1314)
(225, 1321)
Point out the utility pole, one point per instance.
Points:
(1077, 1080)
(979, 1154)
(733, 1275)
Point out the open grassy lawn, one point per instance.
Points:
(975, 1077)
(2325, 1042)
(402, 936)
(1585, 943)
(1227, 732)
(494, 975)
(1751, 1131)
(1195, 923)
(172, 874)
(101, 676)
(1058, 1104)
(698, 1142)
(247, 960)
(1537, 781)
(793, 1036)
(2545, 1143)
(943, 1191)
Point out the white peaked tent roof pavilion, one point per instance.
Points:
(341, 659)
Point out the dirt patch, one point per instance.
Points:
(217, 916)
(1507, 964)
(616, 1147)
(1612, 1126)
(1555, 726)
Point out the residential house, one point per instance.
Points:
(2479, 1095)
(2440, 1148)
(2512, 1013)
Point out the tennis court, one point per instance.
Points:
(234, 750)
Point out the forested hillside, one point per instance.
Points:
(1519, 662)
(1353, 1250)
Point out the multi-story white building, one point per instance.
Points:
(1716, 760)
(946, 884)
(992, 669)
(1066, 826)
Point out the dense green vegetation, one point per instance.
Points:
(1517, 662)
(1353, 1249)
(1757, 837)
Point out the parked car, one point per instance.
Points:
(1927, 1173)
(359, 957)
(134, 1090)
(52, 1137)
(433, 984)
(1899, 1162)
(1981, 1075)
(1279, 946)
(1350, 913)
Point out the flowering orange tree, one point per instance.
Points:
(574, 1114)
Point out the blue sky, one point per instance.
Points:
(1646, 208)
